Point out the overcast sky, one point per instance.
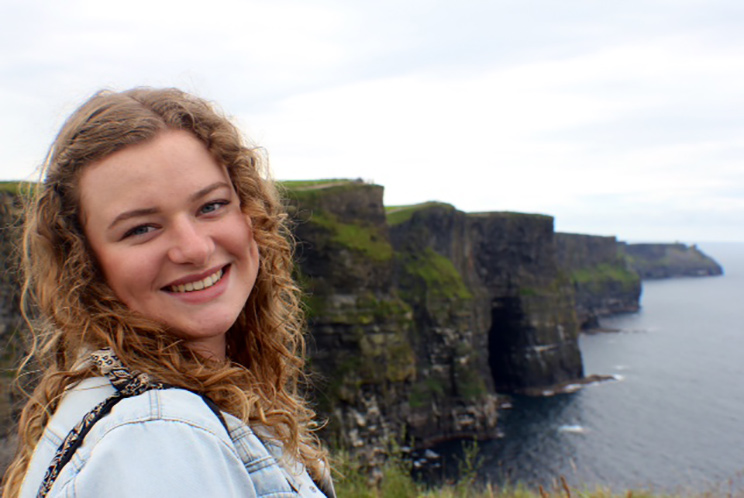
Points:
(617, 117)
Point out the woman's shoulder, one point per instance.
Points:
(169, 406)
(169, 442)
(174, 442)
(136, 420)
(173, 418)
(156, 422)
(75, 404)
(166, 405)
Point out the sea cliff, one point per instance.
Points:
(420, 315)
(603, 280)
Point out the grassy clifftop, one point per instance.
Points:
(669, 260)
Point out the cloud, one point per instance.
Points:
(592, 111)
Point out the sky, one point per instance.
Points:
(617, 118)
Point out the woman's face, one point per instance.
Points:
(165, 224)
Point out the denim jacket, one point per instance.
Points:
(163, 443)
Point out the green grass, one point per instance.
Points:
(14, 187)
(400, 214)
(436, 274)
(365, 240)
(355, 236)
(604, 272)
(352, 480)
(470, 384)
(425, 390)
(300, 184)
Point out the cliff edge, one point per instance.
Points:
(653, 261)
(604, 283)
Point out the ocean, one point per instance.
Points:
(672, 421)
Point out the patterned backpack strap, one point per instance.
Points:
(133, 383)
(73, 440)
(216, 410)
(125, 382)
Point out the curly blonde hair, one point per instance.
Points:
(71, 310)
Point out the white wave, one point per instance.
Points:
(574, 429)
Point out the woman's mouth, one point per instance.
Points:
(202, 284)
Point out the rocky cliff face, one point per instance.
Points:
(533, 331)
(360, 328)
(669, 260)
(419, 319)
(603, 282)
(392, 358)
(10, 320)
(491, 311)
(10, 220)
(521, 309)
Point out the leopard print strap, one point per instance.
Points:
(126, 383)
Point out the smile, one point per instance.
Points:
(202, 284)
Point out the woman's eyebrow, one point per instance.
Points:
(132, 214)
(148, 211)
(208, 189)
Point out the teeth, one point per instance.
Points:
(201, 284)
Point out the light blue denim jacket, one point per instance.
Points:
(162, 443)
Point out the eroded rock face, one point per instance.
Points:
(10, 212)
(521, 308)
(533, 331)
(360, 345)
(11, 348)
(514, 303)
(603, 281)
(452, 394)
(394, 332)
(419, 321)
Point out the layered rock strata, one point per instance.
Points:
(392, 359)
(603, 282)
(418, 321)
(10, 320)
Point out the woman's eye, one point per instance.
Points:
(213, 206)
(139, 230)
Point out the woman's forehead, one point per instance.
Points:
(172, 167)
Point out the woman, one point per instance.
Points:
(166, 323)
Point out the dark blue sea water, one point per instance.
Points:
(674, 421)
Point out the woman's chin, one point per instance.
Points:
(211, 340)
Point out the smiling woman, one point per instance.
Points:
(166, 227)
(162, 313)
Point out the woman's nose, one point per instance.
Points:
(191, 244)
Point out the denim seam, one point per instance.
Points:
(108, 430)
